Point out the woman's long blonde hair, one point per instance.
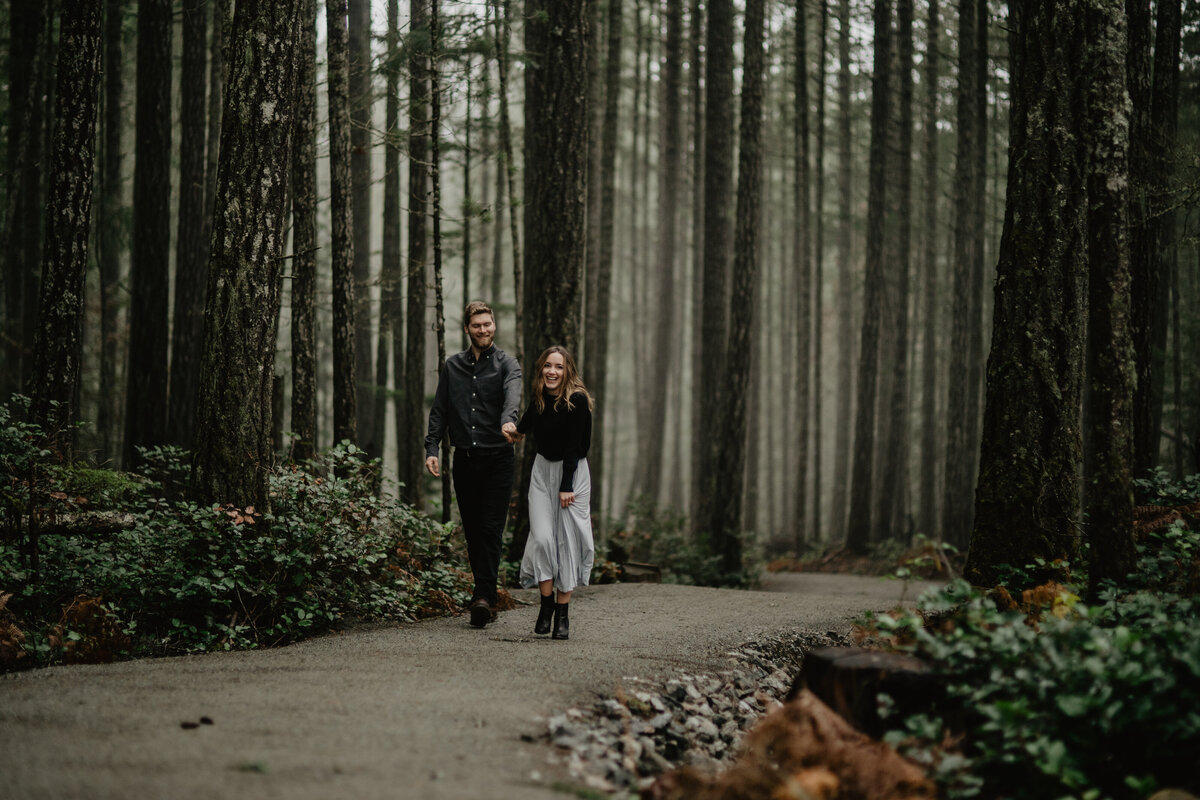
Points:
(571, 382)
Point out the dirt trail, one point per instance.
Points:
(430, 710)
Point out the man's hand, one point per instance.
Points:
(566, 498)
(431, 464)
(510, 433)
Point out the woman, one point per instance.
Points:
(559, 552)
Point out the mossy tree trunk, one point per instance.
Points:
(1027, 498)
(59, 338)
(233, 454)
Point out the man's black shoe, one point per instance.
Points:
(481, 613)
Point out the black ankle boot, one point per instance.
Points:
(562, 625)
(545, 615)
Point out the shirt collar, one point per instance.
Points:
(471, 353)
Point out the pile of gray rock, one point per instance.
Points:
(622, 743)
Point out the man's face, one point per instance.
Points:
(482, 330)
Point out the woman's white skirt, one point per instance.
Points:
(560, 546)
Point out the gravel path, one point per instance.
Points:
(429, 710)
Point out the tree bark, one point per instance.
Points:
(960, 448)
(1143, 229)
(345, 384)
(362, 99)
(845, 310)
(390, 346)
(802, 266)
(110, 237)
(931, 454)
(726, 526)
(191, 244)
(818, 313)
(304, 240)
(59, 342)
(859, 527)
(1109, 488)
(418, 250)
(718, 180)
(666, 317)
(233, 446)
(1027, 496)
(146, 393)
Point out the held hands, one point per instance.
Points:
(510, 433)
(431, 464)
(566, 498)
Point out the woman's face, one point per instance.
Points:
(553, 371)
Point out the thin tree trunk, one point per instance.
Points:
(191, 245)
(1143, 228)
(596, 92)
(304, 240)
(510, 171)
(845, 315)
(146, 393)
(958, 501)
(859, 528)
(802, 267)
(731, 459)
(390, 349)
(345, 386)
(59, 341)
(435, 179)
(418, 249)
(696, 66)
(233, 431)
(600, 289)
(666, 316)
(109, 241)
(894, 490)
(818, 314)
(718, 180)
(361, 100)
(930, 441)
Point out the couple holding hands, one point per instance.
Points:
(477, 400)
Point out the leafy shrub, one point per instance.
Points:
(185, 577)
(1053, 698)
(1160, 489)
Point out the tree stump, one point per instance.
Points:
(850, 679)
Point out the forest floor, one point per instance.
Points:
(434, 709)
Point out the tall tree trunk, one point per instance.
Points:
(1110, 373)
(802, 266)
(845, 315)
(858, 530)
(666, 317)
(731, 460)
(304, 240)
(233, 444)
(21, 244)
(960, 448)
(345, 386)
(502, 22)
(59, 342)
(818, 313)
(191, 244)
(599, 288)
(362, 98)
(1143, 230)
(697, 66)
(435, 179)
(418, 248)
(596, 93)
(110, 240)
(894, 475)
(718, 180)
(928, 519)
(1164, 121)
(556, 116)
(1027, 497)
(146, 394)
(390, 347)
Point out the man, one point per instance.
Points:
(478, 395)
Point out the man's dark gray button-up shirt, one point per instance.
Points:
(474, 398)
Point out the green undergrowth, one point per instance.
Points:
(123, 566)
(1046, 696)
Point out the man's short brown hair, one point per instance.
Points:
(476, 307)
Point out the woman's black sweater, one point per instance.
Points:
(561, 435)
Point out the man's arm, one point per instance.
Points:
(512, 391)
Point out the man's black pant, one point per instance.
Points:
(483, 479)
